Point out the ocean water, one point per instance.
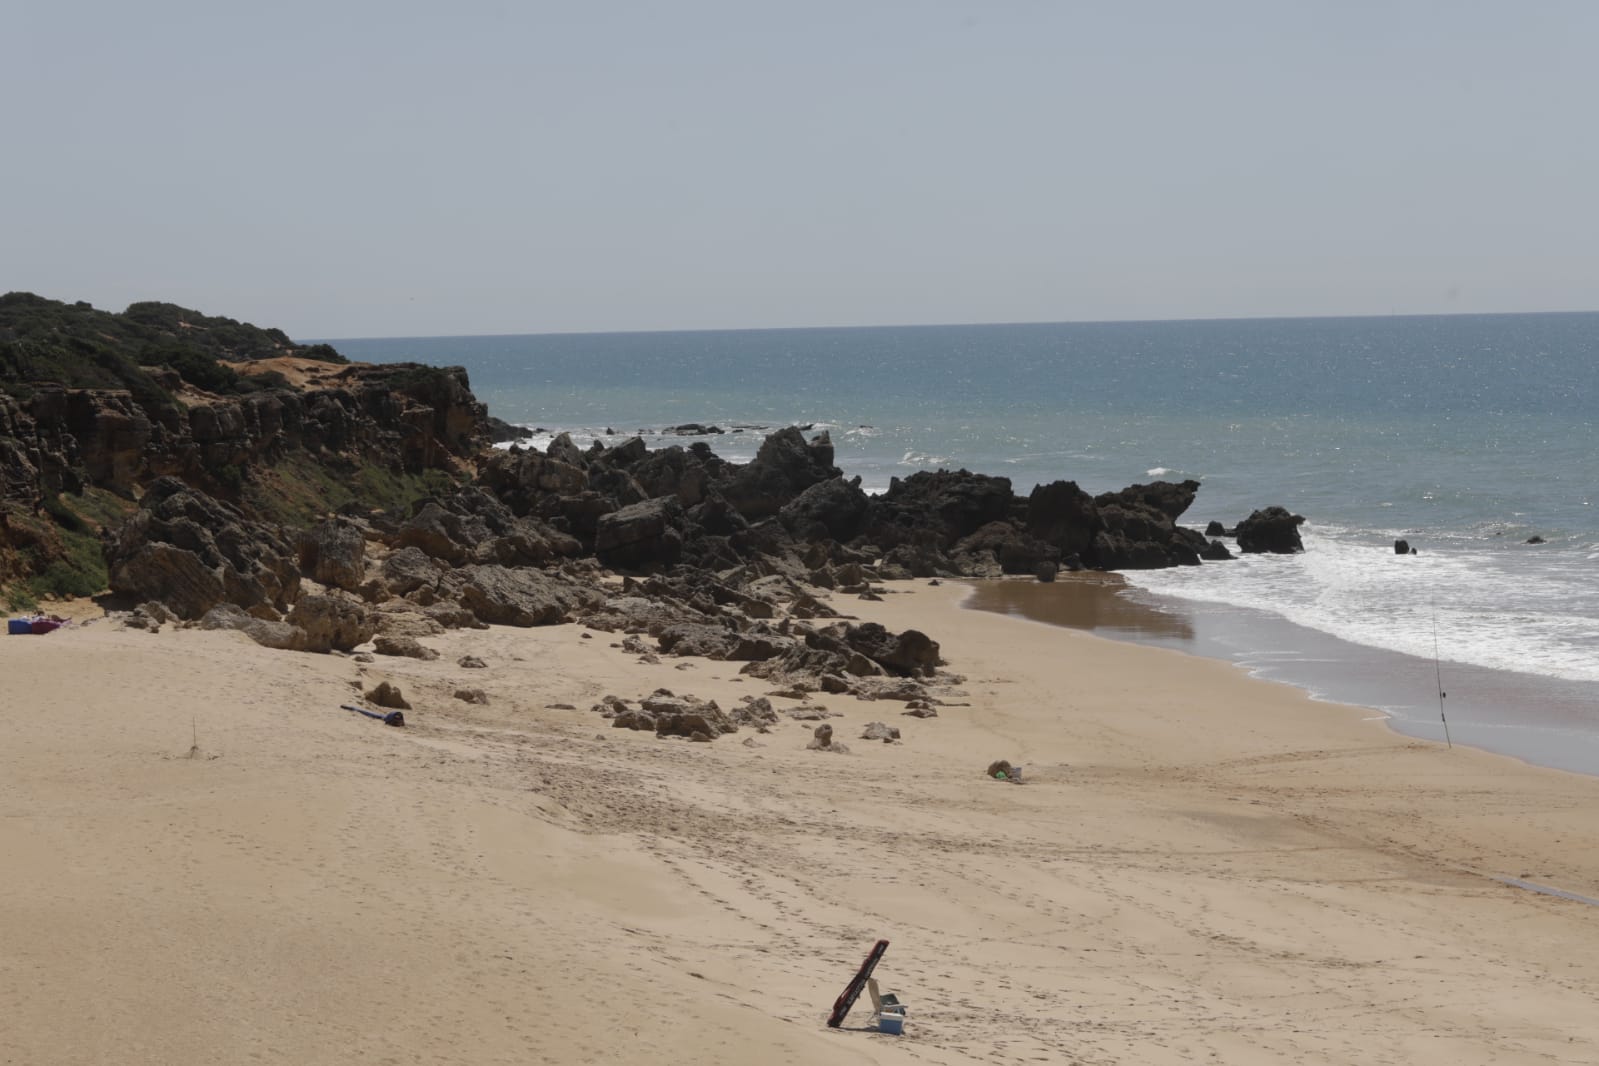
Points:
(1465, 435)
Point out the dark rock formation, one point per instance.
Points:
(1271, 529)
(936, 508)
(191, 553)
(641, 535)
(519, 596)
(785, 466)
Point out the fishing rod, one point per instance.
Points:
(1438, 676)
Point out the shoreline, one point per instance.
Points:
(1199, 865)
(1551, 725)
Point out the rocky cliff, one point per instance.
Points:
(96, 407)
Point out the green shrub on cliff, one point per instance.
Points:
(57, 555)
(79, 346)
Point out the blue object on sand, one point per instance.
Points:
(891, 1022)
(19, 626)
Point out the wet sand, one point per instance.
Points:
(1545, 721)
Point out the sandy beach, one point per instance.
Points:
(208, 861)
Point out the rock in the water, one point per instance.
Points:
(1271, 529)
(1401, 547)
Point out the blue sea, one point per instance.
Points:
(1466, 435)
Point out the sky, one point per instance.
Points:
(346, 168)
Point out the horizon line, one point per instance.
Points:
(948, 325)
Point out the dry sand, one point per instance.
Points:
(1199, 868)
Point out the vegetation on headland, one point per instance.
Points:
(76, 345)
(59, 551)
(63, 485)
(298, 489)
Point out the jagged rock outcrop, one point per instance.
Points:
(834, 509)
(332, 621)
(333, 552)
(1139, 531)
(517, 596)
(937, 508)
(191, 553)
(786, 465)
(648, 534)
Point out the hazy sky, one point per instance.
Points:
(396, 168)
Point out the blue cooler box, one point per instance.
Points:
(19, 625)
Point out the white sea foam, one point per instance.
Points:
(1157, 471)
(1468, 603)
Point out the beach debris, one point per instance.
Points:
(880, 731)
(385, 694)
(471, 695)
(1002, 770)
(471, 662)
(394, 718)
(408, 647)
